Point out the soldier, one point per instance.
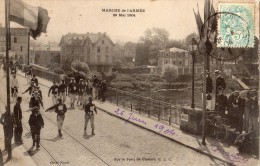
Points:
(89, 115)
(35, 101)
(221, 103)
(29, 74)
(30, 89)
(35, 80)
(18, 129)
(36, 124)
(253, 112)
(209, 85)
(60, 109)
(62, 92)
(81, 89)
(7, 122)
(54, 92)
(13, 70)
(72, 91)
(38, 92)
(220, 81)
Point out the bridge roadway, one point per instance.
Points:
(115, 143)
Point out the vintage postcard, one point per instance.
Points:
(129, 82)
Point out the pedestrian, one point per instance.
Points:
(30, 89)
(38, 92)
(89, 115)
(13, 70)
(95, 86)
(103, 90)
(221, 103)
(62, 91)
(237, 112)
(81, 89)
(14, 86)
(35, 80)
(18, 128)
(8, 124)
(253, 114)
(220, 81)
(36, 124)
(60, 109)
(54, 92)
(29, 74)
(72, 91)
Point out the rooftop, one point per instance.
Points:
(174, 49)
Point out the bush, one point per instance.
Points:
(58, 70)
(122, 85)
(124, 78)
(148, 77)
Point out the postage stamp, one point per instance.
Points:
(236, 26)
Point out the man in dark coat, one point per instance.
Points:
(35, 80)
(220, 81)
(237, 112)
(73, 88)
(7, 122)
(36, 124)
(221, 103)
(18, 129)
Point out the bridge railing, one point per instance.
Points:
(144, 105)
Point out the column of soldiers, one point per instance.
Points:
(240, 112)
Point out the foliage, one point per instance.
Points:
(80, 66)
(148, 77)
(142, 54)
(169, 75)
(123, 78)
(58, 70)
(122, 85)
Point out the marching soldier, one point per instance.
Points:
(18, 129)
(62, 92)
(36, 124)
(81, 89)
(30, 89)
(72, 91)
(54, 92)
(221, 103)
(35, 80)
(60, 109)
(89, 115)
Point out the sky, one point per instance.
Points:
(82, 16)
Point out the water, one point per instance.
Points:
(176, 97)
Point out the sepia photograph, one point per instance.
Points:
(129, 82)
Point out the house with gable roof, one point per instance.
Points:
(95, 49)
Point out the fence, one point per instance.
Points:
(143, 105)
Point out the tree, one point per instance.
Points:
(169, 75)
(142, 54)
(156, 37)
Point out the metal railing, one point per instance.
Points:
(144, 105)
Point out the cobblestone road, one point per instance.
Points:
(116, 143)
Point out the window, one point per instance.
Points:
(165, 61)
(98, 58)
(107, 49)
(21, 48)
(15, 39)
(98, 49)
(103, 42)
(174, 62)
(88, 50)
(179, 62)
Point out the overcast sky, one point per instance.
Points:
(81, 16)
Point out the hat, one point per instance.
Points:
(217, 71)
(90, 98)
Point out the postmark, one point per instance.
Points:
(236, 28)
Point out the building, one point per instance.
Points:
(180, 60)
(94, 49)
(19, 44)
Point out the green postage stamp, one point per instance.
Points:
(236, 26)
